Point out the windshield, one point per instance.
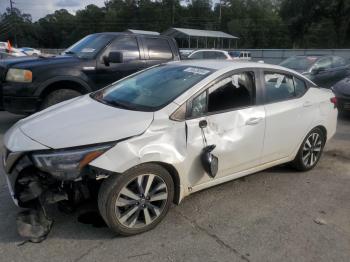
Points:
(89, 46)
(299, 62)
(152, 89)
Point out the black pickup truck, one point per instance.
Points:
(33, 83)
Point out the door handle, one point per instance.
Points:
(307, 104)
(253, 121)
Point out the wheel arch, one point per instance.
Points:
(173, 173)
(320, 126)
(176, 179)
(63, 83)
(323, 129)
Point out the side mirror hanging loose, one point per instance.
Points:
(210, 162)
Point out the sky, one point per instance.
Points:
(40, 8)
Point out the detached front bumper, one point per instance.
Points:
(13, 164)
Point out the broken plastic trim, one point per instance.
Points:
(33, 224)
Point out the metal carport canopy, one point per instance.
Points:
(187, 34)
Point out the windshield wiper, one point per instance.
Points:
(116, 104)
(69, 53)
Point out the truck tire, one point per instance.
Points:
(59, 96)
(137, 200)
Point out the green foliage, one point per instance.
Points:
(258, 23)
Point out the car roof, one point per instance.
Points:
(316, 56)
(223, 66)
(130, 34)
(212, 50)
(227, 64)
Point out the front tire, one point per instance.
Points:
(310, 150)
(59, 96)
(137, 200)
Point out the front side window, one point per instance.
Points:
(233, 92)
(127, 45)
(158, 49)
(152, 89)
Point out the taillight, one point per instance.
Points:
(334, 101)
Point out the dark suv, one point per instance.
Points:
(31, 84)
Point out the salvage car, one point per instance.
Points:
(342, 92)
(323, 70)
(155, 137)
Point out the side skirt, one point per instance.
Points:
(224, 179)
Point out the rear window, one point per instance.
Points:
(158, 49)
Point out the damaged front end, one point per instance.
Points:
(40, 178)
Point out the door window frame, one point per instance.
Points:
(258, 94)
(308, 84)
(99, 57)
(146, 49)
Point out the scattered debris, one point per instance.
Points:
(34, 225)
(320, 221)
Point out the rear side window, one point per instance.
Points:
(338, 61)
(214, 55)
(300, 87)
(324, 63)
(278, 87)
(198, 55)
(158, 49)
(234, 92)
(281, 87)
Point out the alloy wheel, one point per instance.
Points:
(141, 201)
(312, 149)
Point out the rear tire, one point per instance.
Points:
(310, 150)
(59, 96)
(137, 200)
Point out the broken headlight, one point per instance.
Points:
(68, 164)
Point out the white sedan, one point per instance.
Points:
(210, 54)
(162, 134)
(30, 51)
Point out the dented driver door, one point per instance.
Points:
(232, 122)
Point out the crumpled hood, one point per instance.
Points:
(343, 87)
(83, 121)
